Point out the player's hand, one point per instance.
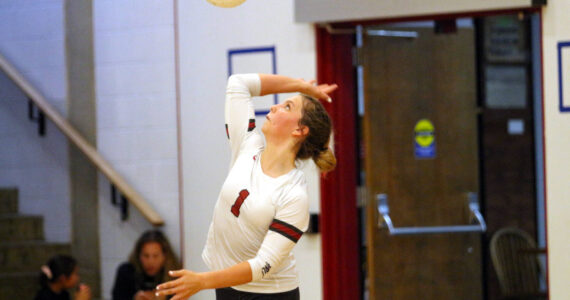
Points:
(187, 284)
(321, 91)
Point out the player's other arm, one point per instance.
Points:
(188, 283)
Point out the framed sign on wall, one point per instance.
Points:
(255, 60)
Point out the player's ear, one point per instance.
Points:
(301, 131)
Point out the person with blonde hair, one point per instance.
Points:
(263, 208)
(149, 262)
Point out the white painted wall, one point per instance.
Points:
(136, 120)
(31, 39)
(556, 28)
(206, 34)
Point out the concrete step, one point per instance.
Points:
(22, 285)
(28, 256)
(20, 228)
(8, 201)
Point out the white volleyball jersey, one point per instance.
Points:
(257, 218)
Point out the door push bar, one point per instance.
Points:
(478, 226)
(393, 33)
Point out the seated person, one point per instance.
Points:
(59, 275)
(148, 266)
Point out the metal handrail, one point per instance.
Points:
(79, 141)
(386, 222)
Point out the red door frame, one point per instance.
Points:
(338, 220)
(339, 215)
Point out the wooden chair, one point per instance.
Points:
(513, 252)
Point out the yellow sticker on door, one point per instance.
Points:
(424, 139)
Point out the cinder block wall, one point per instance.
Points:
(136, 119)
(31, 38)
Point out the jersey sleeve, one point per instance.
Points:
(291, 220)
(239, 112)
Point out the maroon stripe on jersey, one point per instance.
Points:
(227, 132)
(287, 230)
(251, 125)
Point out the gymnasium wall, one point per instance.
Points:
(32, 40)
(556, 29)
(206, 34)
(136, 120)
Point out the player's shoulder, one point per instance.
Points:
(296, 189)
(252, 143)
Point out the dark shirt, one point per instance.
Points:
(128, 282)
(47, 294)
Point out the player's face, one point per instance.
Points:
(283, 119)
(152, 258)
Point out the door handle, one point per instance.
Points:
(385, 222)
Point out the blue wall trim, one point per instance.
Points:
(560, 77)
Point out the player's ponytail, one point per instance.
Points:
(326, 161)
(316, 144)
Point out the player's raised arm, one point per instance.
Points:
(275, 84)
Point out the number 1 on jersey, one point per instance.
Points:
(243, 194)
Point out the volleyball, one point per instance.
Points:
(226, 3)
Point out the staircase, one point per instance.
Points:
(23, 249)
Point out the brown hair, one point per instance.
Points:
(170, 262)
(316, 143)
